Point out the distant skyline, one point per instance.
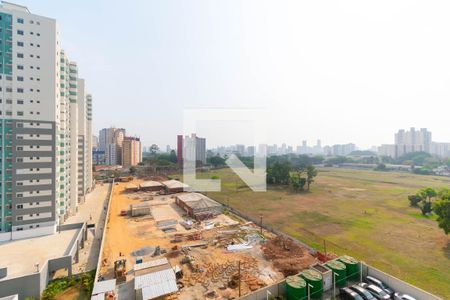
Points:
(343, 72)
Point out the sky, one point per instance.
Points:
(341, 71)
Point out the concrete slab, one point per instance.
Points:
(21, 257)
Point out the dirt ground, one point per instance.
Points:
(209, 267)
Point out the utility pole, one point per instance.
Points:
(239, 275)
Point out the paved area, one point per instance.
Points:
(91, 211)
(21, 256)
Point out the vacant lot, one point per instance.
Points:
(363, 213)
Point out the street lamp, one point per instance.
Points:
(334, 284)
(309, 292)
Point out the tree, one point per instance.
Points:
(414, 200)
(278, 172)
(427, 193)
(297, 182)
(154, 149)
(380, 167)
(442, 209)
(133, 170)
(216, 161)
(173, 156)
(311, 173)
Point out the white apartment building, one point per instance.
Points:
(39, 125)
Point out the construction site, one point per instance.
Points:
(162, 243)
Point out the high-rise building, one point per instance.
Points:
(39, 113)
(110, 141)
(413, 141)
(84, 102)
(131, 152)
(407, 141)
(192, 148)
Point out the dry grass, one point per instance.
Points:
(365, 214)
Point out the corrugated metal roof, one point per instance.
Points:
(158, 290)
(151, 264)
(104, 286)
(154, 278)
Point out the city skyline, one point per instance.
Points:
(312, 65)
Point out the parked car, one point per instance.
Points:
(123, 213)
(348, 294)
(365, 294)
(377, 292)
(400, 296)
(380, 284)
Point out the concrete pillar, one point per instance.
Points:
(77, 253)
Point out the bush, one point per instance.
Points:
(414, 200)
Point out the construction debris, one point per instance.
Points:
(287, 256)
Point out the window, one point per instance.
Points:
(20, 113)
(20, 32)
(19, 67)
(31, 22)
(9, 89)
(20, 55)
(19, 78)
(19, 102)
(8, 101)
(38, 34)
(20, 44)
(20, 90)
(9, 78)
(19, 195)
(20, 20)
(19, 159)
(31, 32)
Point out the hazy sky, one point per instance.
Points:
(342, 71)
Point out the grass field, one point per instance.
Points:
(365, 214)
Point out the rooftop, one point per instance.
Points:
(21, 256)
(175, 184)
(150, 184)
(197, 200)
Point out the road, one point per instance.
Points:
(91, 211)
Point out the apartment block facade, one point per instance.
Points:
(39, 125)
(131, 152)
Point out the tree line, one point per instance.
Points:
(430, 200)
(299, 176)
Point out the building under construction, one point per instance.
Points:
(198, 206)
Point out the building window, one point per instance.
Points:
(19, 67)
(20, 55)
(19, 102)
(20, 90)
(20, 113)
(20, 32)
(20, 20)
(19, 78)
(20, 44)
